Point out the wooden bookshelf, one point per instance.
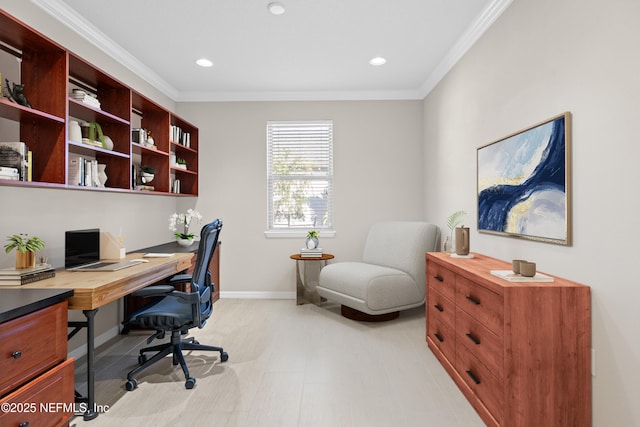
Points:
(50, 73)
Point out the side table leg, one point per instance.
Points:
(90, 413)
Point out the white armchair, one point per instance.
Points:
(391, 276)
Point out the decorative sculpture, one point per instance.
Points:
(17, 94)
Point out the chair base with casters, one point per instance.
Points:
(175, 347)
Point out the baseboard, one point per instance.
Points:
(99, 340)
(258, 295)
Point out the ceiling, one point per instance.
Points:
(317, 49)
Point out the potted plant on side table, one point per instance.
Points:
(26, 248)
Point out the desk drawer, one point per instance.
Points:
(44, 402)
(480, 341)
(486, 306)
(443, 337)
(441, 279)
(31, 344)
(481, 381)
(440, 307)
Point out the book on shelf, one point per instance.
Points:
(311, 253)
(15, 155)
(144, 188)
(179, 136)
(27, 278)
(83, 172)
(9, 173)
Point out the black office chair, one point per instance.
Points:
(177, 312)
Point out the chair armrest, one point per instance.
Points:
(154, 291)
(179, 278)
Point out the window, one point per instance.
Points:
(300, 176)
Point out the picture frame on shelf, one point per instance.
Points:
(523, 183)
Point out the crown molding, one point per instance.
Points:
(299, 96)
(464, 43)
(67, 16)
(70, 18)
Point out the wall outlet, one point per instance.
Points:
(593, 362)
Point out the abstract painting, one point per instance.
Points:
(524, 183)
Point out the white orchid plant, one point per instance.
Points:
(183, 221)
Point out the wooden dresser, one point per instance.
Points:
(36, 381)
(520, 352)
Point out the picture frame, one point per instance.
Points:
(524, 185)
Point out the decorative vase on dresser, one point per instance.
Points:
(520, 352)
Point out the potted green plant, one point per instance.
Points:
(147, 173)
(312, 239)
(26, 248)
(181, 163)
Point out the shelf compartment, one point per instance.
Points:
(113, 95)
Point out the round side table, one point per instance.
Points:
(307, 276)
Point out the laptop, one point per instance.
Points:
(82, 252)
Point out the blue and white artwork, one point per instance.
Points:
(522, 184)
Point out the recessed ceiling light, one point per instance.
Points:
(204, 62)
(276, 8)
(378, 60)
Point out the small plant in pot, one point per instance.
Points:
(26, 248)
(147, 173)
(312, 239)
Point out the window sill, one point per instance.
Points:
(296, 234)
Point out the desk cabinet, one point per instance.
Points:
(35, 369)
(519, 352)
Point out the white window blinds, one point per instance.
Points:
(300, 175)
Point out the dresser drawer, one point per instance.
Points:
(31, 344)
(481, 381)
(439, 307)
(441, 279)
(443, 337)
(486, 306)
(46, 401)
(481, 342)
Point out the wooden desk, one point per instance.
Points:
(93, 290)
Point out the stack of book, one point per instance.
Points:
(9, 173)
(15, 155)
(12, 277)
(311, 253)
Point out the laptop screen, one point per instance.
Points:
(81, 247)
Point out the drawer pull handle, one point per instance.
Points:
(438, 278)
(437, 335)
(473, 377)
(439, 308)
(24, 424)
(472, 299)
(16, 354)
(474, 339)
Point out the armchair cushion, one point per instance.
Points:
(391, 276)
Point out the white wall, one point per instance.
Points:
(377, 175)
(49, 212)
(541, 58)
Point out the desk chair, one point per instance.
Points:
(177, 312)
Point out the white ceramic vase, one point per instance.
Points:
(185, 242)
(102, 175)
(75, 132)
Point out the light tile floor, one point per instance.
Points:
(288, 366)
